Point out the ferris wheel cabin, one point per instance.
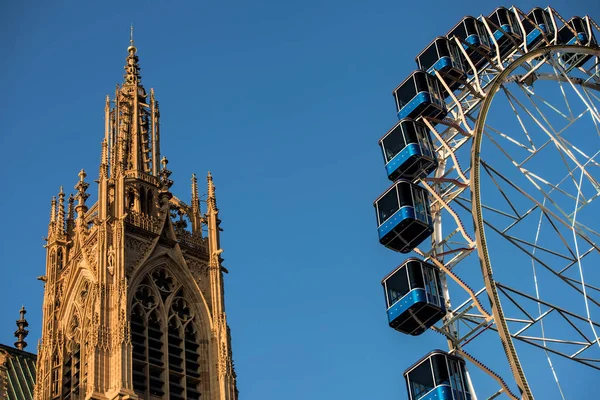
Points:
(438, 376)
(537, 25)
(505, 29)
(444, 56)
(403, 216)
(474, 38)
(413, 295)
(420, 95)
(408, 151)
(576, 31)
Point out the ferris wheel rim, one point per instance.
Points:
(477, 209)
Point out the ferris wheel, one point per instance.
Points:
(498, 125)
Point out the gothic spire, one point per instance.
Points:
(52, 216)
(60, 220)
(21, 333)
(195, 198)
(132, 68)
(71, 215)
(53, 210)
(82, 196)
(211, 199)
(104, 160)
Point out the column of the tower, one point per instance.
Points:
(56, 259)
(226, 376)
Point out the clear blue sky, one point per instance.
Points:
(284, 103)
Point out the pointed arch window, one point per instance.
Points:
(55, 388)
(60, 258)
(143, 200)
(72, 362)
(53, 259)
(164, 365)
(150, 202)
(130, 199)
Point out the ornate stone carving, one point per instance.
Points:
(111, 260)
(198, 268)
(90, 253)
(136, 250)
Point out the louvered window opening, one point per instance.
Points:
(166, 359)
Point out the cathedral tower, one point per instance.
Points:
(133, 297)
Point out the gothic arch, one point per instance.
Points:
(183, 275)
(170, 333)
(83, 281)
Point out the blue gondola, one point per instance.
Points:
(403, 216)
(444, 56)
(420, 95)
(576, 31)
(408, 151)
(505, 29)
(537, 25)
(476, 42)
(413, 295)
(438, 376)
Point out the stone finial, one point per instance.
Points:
(71, 214)
(82, 195)
(21, 333)
(195, 197)
(164, 174)
(211, 198)
(132, 68)
(104, 160)
(52, 223)
(53, 209)
(60, 216)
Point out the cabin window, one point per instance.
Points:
(503, 17)
(494, 18)
(387, 205)
(482, 33)
(415, 275)
(577, 24)
(421, 136)
(393, 144)
(456, 56)
(432, 86)
(405, 93)
(410, 136)
(428, 57)
(440, 369)
(456, 379)
(469, 26)
(565, 35)
(421, 82)
(405, 194)
(460, 31)
(421, 380)
(527, 25)
(538, 16)
(420, 205)
(397, 286)
(442, 48)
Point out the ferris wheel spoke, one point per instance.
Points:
(524, 246)
(568, 316)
